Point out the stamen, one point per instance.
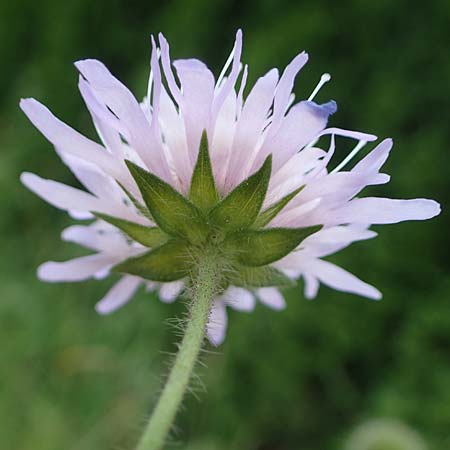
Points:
(240, 96)
(350, 156)
(325, 78)
(226, 66)
(150, 81)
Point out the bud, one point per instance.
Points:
(383, 434)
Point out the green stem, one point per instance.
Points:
(160, 423)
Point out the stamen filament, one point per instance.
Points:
(325, 78)
(350, 156)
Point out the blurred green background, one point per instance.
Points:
(300, 379)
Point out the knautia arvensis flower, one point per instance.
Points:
(197, 165)
(199, 189)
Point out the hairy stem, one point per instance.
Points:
(160, 423)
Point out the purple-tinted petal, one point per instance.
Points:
(302, 124)
(231, 79)
(197, 83)
(118, 295)
(341, 280)
(239, 299)
(385, 210)
(60, 195)
(117, 97)
(217, 325)
(168, 292)
(249, 128)
(65, 138)
(272, 298)
(284, 89)
(77, 269)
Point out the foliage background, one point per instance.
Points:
(299, 379)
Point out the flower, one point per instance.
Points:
(162, 135)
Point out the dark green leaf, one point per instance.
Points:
(260, 247)
(169, 262)
(148, 236)
(271, 212)
(175, 214)
(260, 277)
(241, 207)
(203, 191)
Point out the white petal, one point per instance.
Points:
(77, 269)
(217, 325)
(118, 295)
(66, 138)
(341, 280)
(272, 298)
(385, 210)
(168, 292)
(239, 299)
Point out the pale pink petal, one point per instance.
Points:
(166, 64)
(66, 138)
(99, 236)
(60, 195)
(249, 128)
(311, 286)
(240, 96)
(168, 292)
(376, 158)
(349, 133)
(197, 84)
(331, 240)
(302, 124)
(385, 210)
(222, 141)
(341, 280)
(239, 299)
(293, 216)
(284, 90)
(93, 179)
(174, 133)
(231, 79)
(118, 295)
(217, 325)
(117, 97)
(77, 269)
(106, 124)
(272, 298)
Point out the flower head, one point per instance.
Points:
(196, 165)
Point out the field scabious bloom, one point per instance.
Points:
(264, 132)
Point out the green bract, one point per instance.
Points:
(230, 227)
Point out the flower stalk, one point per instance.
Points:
(204, 287)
